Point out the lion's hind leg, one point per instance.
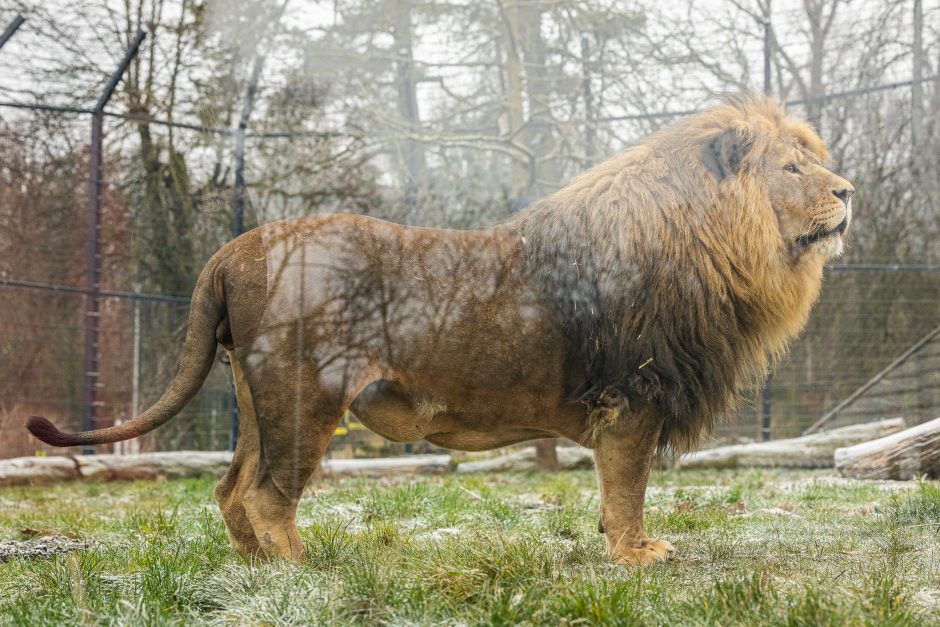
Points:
(297, 417)
(230, 491)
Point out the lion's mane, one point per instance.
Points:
(671, 283)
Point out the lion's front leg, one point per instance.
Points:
(623, 455)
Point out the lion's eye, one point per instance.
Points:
(792, 168)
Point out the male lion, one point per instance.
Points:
(624, 312)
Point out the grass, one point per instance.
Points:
(776, 548)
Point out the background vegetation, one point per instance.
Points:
(436, 113)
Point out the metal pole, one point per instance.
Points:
(588, 101)
(119, 73)
(93, 246)
(233, 404)
(238, 202)
(11, 29)
(765, 388)
(238, 206)
(238, 217)
(765, 408)
(135, 373)
(92, 284)
(768, 35)
(917, 88)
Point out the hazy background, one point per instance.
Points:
(440, 114)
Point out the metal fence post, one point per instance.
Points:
(238, 205)
(11, 29)
(93, 246)
(768, 36)
(765, 388)
(765, 408)
(917, 71)
(588, 101)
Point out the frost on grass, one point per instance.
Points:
(828, 481)
(259, 594)
(438, 535)
(771, 511)
(755, 547)
(928, 598)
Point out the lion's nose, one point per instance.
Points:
(844, 194)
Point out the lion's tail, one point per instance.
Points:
(206, 312)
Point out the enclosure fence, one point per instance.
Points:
(81, 348)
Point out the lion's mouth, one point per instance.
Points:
(812, 238)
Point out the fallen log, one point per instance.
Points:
(905, 455)
(380, 466)
(808, 451)
(546, 455)
(35, 470)
(568, 458)
(180, 464)
(150, 466)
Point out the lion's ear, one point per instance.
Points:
(723, 154)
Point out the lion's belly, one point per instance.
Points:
(388, 409)
(484, 440)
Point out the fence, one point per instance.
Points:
(73, 347)
(873, 323)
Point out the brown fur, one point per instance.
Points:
(626, 312)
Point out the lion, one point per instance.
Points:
(626, 312)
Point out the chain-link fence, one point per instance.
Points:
(870, 351)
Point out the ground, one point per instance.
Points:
(754, 547)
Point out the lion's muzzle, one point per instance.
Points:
(821, 234)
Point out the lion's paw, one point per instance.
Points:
(644, 552)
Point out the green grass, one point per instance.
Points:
(754, 548)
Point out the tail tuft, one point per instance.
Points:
(48, 433)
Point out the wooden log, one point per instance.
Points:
(179, 464)
(905, 455)
(808, 451)
(37, 470)
(149, 466)
(388, 465)
(568, 457)
(546, 455)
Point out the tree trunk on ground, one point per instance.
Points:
(809, 451)
(546, 455)
(905, 455)
(179, 464)
(569, 458)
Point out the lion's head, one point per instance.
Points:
(682, 266)
(755, 142)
